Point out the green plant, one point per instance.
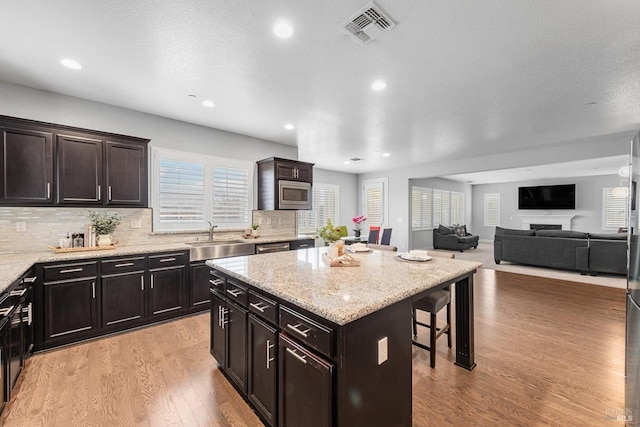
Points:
(255, 226)
(104, 223)
(329, 233)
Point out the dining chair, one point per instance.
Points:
(433, 303)
(386, 237)
(343, 230)
(373, 235)
(382, 247)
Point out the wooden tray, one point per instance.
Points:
(93, 248)
(343, 261)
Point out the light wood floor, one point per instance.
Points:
(548, 353)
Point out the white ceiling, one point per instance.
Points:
(464, 77)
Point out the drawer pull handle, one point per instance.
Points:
(142, 283)
(17, 293)
(71, 270)
(167, 259)
(215, 282)
(30, 279)
(234, 292)
(124, 264)
(6, 311)
(259, 306)
(306, 245)
(269, 346)
(295, 329)
(93, 289)
(302, 358)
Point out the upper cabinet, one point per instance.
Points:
(45, 164)
(293, 170)
(284, 184)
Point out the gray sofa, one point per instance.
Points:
(445, 238)
(563, 249)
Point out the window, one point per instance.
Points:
(441, 209)
(421, 205)
(189, 190)
(614, 209)
(374, 201)
(457, 207)
(325, 204)
(492, 209)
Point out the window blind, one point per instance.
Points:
(374, 201)
(614, 210)
(325, 205)
(181, 191)
(457, 207)
(441, 211)
(492, 209)
(231, 204)
(421, 207)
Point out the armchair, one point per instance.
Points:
(446, 238)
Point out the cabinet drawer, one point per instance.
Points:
(70, 271)
(312, 333)
(263, 307)
(167, 260)
(123, 265)
(237, 292)
(301, 244)
(217, 282)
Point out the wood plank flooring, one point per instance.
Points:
(549, 353)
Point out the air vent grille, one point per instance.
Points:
(355, 159)
(368, 23)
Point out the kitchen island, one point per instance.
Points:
(310, 344)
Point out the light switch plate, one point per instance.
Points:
(383, 350)
(21, 226)
(136, 223)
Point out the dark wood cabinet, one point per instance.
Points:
(302, 244)
(79, 169)
(306, 386)
(293, 170)
(46, 164)
(16, 347)
(71, 309)
(199, 285)
(236, 329)
(218, 343)
(274, 190)
(126, 173)
(26, 156)
(123, 299)
(262, 366)
(167, 282)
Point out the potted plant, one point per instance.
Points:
(357, 220)
(254, 230)
(329, 233)
(104, 224)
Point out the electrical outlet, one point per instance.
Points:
(136, 223)
(21, 226)
(383, 350)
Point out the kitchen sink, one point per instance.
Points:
(220, 249)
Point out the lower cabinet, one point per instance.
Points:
(4, 353)
(262, 368)
(167, 282)
(70, 309)
(16, 347)
(199, 289)
(123, 298)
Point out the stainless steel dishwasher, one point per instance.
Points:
(265, 248)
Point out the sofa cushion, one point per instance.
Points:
(512, 232)
(459, 230)
(609, 236)
(444, 230)
(468, 239)
(562, 233)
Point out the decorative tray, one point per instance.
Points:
(341, 261)
(58, 250)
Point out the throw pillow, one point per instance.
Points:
(444, 230)
(460, 230)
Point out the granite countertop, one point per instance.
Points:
(341, 294)
(13, 265)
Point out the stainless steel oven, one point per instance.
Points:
(294, 195)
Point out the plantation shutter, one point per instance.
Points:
(614, 209)
(181, 197)
(457, 207)
(326, 205)
(441, 210)
(374, 202)
(230, 197)
(421, 206)
(492, 209)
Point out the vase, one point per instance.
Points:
(103, 240)
(356, 232)
(332, 252)
(254, 233)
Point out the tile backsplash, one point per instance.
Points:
(44, 227)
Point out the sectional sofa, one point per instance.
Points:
(588, 253)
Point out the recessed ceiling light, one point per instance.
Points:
(386, 154)
(378, 85)
(70, 63)
(283, 29)
(208, 104)
(347, 162)
(289, 126)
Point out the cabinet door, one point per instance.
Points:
(27, 323)
(167, 293)
(294, 171)
(305, 386)
(16, 347)
(218, 344)
(26, 157)
(199, 285)
(126, 174)
(70, 309)
(236, 328)
(79, 170)
(123, 297)
(262, 363)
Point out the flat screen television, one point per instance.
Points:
(547, 197)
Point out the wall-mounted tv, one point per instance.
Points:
(547, 197)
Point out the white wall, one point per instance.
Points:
(588, 212)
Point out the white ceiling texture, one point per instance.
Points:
(463, 77)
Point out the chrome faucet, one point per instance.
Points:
(211, 229)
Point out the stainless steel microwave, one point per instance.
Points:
(294, 195)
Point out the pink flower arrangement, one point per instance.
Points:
(359, 220)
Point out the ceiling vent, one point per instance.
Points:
(368, 23)
(355, 159)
